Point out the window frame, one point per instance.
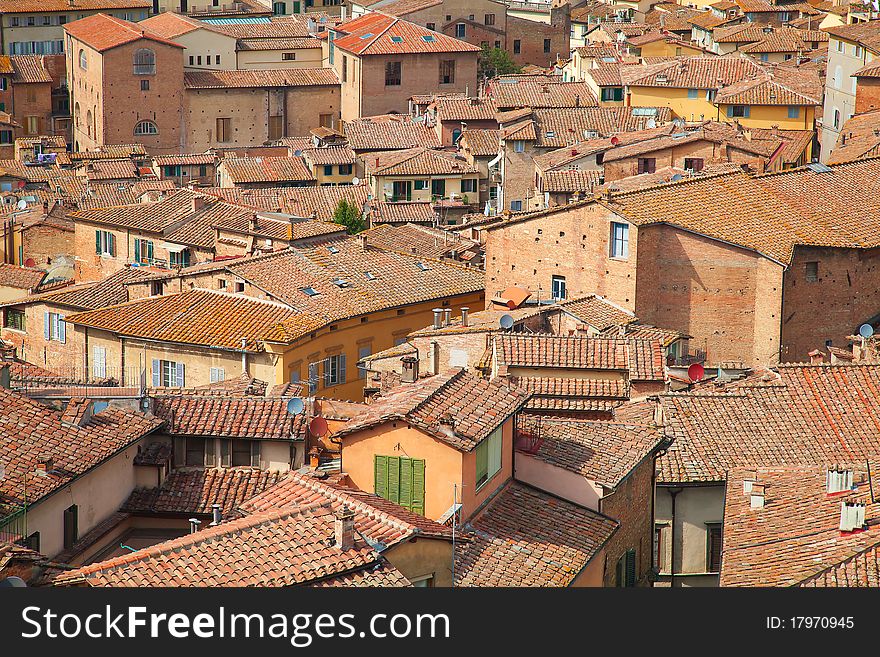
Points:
(714, 529)
(393, 73)
(618, 245)
(490, 453)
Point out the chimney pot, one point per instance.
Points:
(464, 315)
(194, 525)
(438, 318)
(45, 464)
(344, 529)
(447, 316)
(410, 369)
(218, 515)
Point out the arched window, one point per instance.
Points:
(838, 78)
(144, 62)
(83, 62)
(146, 128)
(77, 115)
(89, 123)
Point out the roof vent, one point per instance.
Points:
(837, 481)
(852, 516)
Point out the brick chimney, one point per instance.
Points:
(816, 357)
(45, 464)
(344, 529)
(198, 202)
(410, 369)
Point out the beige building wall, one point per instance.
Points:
(422, 557)
(207, 45)
(249, 60)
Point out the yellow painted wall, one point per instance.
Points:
(385, 184)
(675, 99)
(766, 116)
(422, 557)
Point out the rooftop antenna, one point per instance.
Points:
(506, 321)
(295, 406)
(696, 372)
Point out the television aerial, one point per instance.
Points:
(506, 321)
(295, 406)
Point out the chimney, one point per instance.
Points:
(77, 413)
(45, 464)
(363, 240)
(253, 223)
(218, 515)
(464, 315)
(344, 529)
(410, 369)
(198, 202)
(194, 525)
(757, 496)
(438, 318)
(434, 357)
(816, 357)
(447, 316)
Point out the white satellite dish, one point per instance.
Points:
(866, 330)
(21, 205)
(355, 181)
(506, 321)
(295, 406)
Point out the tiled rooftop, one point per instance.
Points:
(229, 417)
(299, 77)
(378, 34)
(266, 170)
(22, 278)
(417, 162)
(389, 132)
(103, 32)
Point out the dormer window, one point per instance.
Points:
(310, 291)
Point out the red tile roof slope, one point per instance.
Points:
(102, 32)
(229, 417)
(378, 34)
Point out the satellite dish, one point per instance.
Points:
(355, 181)
(866, 330)
(318, 427)
(676, 177)
(30, 262)
(12, 582)
(696, 372)
(21, 205)
(615, 141)
(295, 406)
(506, 321)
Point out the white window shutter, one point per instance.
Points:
(180, 378)
(157, 373)
(62, 329)
(47, 329)
(341, 369)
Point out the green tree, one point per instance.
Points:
(495, 61)
(348, 215)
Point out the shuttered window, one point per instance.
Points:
(167, 374)
(54, 327)
(334, 370)
(489, 457)
(143, 251)
(71, 526)
(105, 243)
(625, 573)
(99, 362)
(713, 548)
(401, 480)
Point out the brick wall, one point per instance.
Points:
(631, 504)
(32, 103)
(673, 157)
(845, 295)
(45, 243)
(867, 95)
(532, 35)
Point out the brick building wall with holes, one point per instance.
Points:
(518, 174)
(867, 95)
(828, 293)
(32, 108)
(573, 243)
(728, 298)
(632, 505)
(45, 243)
(109, 99)
(539, 43)
(692, 155)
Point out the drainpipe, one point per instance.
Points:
(244, 366)
(672, 493)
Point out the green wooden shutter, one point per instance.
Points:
(418, 486)
(406, 482)
(137, 250)
(630, 567)
(380, 480)
(98, 242)
(482, 462)
(394, 479)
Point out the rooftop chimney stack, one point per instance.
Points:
(464, 315)
(438, 318)
(410, 369)
(198, 202)
(816, 357)
(45, 464)
(344, 529)
(218, 515)
(363, 240)
(447, 316)
(194, 525)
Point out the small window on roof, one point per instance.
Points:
(340, 282)
(423, 266)
(367, 35)
(370, 275)
(397, 39)
(310, 291)
(332, 249)
(428, 37)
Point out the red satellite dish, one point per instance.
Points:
(696, 372)
(318, 427)
(615, 141)
(21, 184)
(30, 262)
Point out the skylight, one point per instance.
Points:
(370, 275)
(428, 37)
(310, 291)
(397, 39)
(367, 35)
(422, 266)
(332, 249)
(340, 282)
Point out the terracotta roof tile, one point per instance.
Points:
(298, 77)
(481, 143)
(525, 537)
(414, 239)
(397, 212)
(539, 91)
(378, 34)
(266, 169)
(415, 162)
(23, 278)
(229, 417)
(393, 132)
(29, 69)
(18, 6)
(298, 201)
(102, 32)
(598, 312)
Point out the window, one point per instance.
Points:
(612, 93)
(460, 31)
(167, 374)
(713, 547)
(836, 118)
(32, 125)
(420, 184)
(172, 171)
(647, 165)
(334, 370)
(99, 362)
(105, 243)
(738, 111)
(344, 169)
(392, 74)
(489, 19)
(431, 26)
(157, 288)
(692, 93)
(519, 146)
(145, 85)
(192, 60)
(546, 46)
(557, 285)
(143, 251)
(468, 185)
(488, 457)
(344, 68)
(146, 128)
(659, 554)
(857, 51)
(438, 187)
(216, 59)
(625, 574)
(191, 452)
(619, 240)
(764, 57)
(328, 169)
(401, 480)
(203, 170)
(693, 163)
(242, 453)
(14, 319)
(144, 62)
(447, 71)
(224, 130)
(517, 46)
(6, 136)
(794, 111)
(424, 582)
(71, 526)
(811, 273)
(54, 327)
(83, 60)
(516, 206)
(276, 126)
(497, 44)
(179, 258)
